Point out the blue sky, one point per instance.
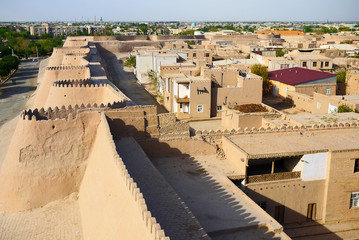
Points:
(180, 10)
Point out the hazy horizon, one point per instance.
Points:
(186, 11)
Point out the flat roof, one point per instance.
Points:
(325, 118)
(279, 144)
(310, 57)
(349, 98)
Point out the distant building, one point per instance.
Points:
(284, 33)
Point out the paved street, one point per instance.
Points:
(127, 83)
(15, 93)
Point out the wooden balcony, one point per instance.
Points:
(272, 177)
(182, 100)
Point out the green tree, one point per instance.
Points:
(341, 76)
(262, 71)
(8, 63)
(279, 53)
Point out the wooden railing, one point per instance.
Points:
(273, 177)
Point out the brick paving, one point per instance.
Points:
(58, 220)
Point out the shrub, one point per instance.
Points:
(344, 108)
(131, 61)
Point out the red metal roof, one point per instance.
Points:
(295, 76)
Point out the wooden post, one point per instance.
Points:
(272, 167)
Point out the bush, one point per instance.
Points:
(344, 108)
(131, 61)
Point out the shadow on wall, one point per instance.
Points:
(282, 213)
(221, 203)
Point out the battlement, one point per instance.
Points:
(68, 113)
(78, 83)
(67, 67)
(283, 129)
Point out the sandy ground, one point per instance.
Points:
(58, 220)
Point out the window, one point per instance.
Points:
(207, 54)
(199, 92)
(194, 55)
(304, 64)
(284, 66)
(200, 108)
(314, 64)
(219, 108)
(354, 200)
(327, 64)
(356, 165)
(327, 91)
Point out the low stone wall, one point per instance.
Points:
(111, 204)
(170, 128)
(142, 122)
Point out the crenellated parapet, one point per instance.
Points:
(67, 113)
(282, 129)
(67, 67)
(79, 83)
(157, 232)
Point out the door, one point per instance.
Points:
(279, 214)
(312, 211)
(275, 90)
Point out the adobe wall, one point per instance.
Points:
(232, 119)
(341, 182)
(41, 164)
(138, 121)
(109, 48)
(111, 204)
(319, 88)
(321, 103)
(301, 101)
(237, 157)
(50, 76)
(59, 95)
(142, 122)
(176, 147)
(352, 81)
(295, 195)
